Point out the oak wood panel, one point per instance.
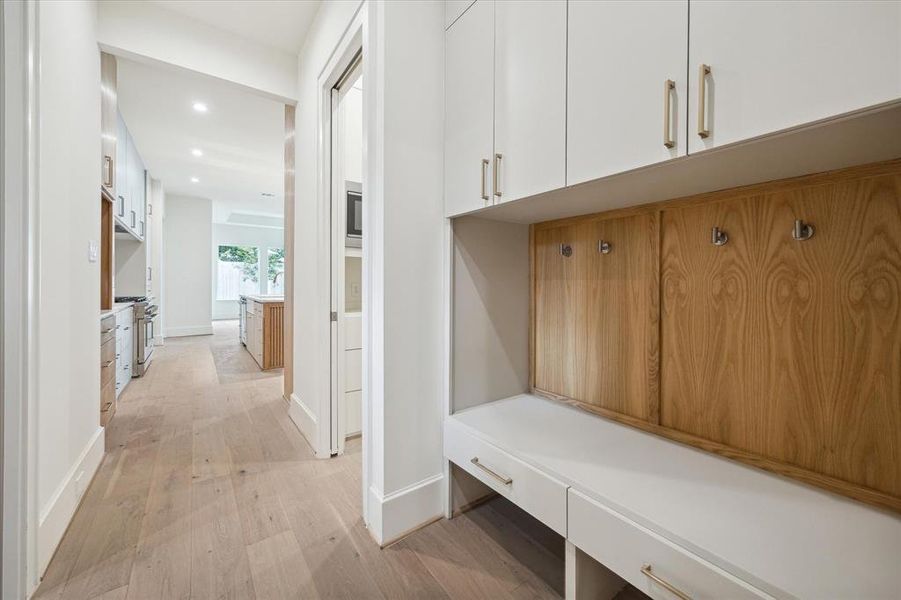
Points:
(273, 335)
(106, 254)
(596, 314)
(786, 349)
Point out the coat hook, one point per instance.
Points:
(604, 247)
(802, 231)
(566, 250)
(718, 237)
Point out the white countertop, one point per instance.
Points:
(783, 537)
(117, 307)
(264, 299)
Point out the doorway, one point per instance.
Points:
(347, 239)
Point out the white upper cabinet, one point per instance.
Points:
(529, 98)
(469, 109)
(121, 207)
(774, 65)
(626, 101)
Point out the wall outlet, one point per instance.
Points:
(93, 250)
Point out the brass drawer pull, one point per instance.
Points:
(497, 171)
(703, 72)
(485, 179)
(109, 362)
(646, 570)
(501, 478)
(668, 86)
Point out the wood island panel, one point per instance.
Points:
(273, 335)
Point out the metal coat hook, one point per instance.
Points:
(718, 237)
(802, 231)
(566, 250)
(604, 247)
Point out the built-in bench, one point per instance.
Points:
(668, 518)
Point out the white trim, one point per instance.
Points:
(396, 514)
(305, 420)
(189, 331)
(60, 509)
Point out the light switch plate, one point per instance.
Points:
(93, 250)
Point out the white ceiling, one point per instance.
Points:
(241, 137)
(279, 23)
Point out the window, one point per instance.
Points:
(238, 272)
(276, 271)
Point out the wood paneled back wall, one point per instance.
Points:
(783, 353)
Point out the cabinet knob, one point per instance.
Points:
(718, 237)
(604, 247)
(802, 231)
(566, 250)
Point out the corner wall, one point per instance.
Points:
(69, 437)
(187, 269)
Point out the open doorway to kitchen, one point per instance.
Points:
(347, 255)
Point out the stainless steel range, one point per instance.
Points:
(146, 313)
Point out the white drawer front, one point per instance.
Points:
(626, 547)
(538, 494)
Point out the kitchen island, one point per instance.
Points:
(263, 329)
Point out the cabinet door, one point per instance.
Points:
(121, 211)
(621, 58)
(453, 9)
(469, 116)
(596, 314)
(790, 349)
(141, 198)
(529, 98)
(108, 124)
(775, 65)
(133, 186)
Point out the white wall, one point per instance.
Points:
(142, 30)
(69, 436)
(403, 257)
(405, 248)
(187, 271)
(311, 237)
(156, 214)
(242, 235)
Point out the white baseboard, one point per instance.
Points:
(56, 515)
(305, 420)
(188, 331)
(394, 515)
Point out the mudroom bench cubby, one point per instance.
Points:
(702, 395)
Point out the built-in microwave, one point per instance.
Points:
(353, 192)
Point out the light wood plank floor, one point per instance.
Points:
(209, 491)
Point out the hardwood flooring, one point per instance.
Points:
(208, 490)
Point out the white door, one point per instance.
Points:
(529, 97)
(469, 109)
(774, 65)
(626, 86)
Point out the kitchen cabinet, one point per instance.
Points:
(469, 109)
(626, 86)
(107, 369)
(264, 323)
(529, 98)
(125, 348)
(453, 9)
(121, 170)
(774, 65)
(108, 125)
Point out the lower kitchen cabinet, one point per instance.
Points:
(124, 348)
(107, 369)
(264, 322)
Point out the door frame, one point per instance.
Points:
(19, 71)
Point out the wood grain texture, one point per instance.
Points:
(786, 349)
(596, 314)
(208, 490)
(106, 254)
(273, 335)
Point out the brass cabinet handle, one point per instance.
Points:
(108, 160)
(485, 179)
(499, 477)
(109, 362)
(107, 330)
(497, 170)
(703, 72)
(646, 570)
(668, 86)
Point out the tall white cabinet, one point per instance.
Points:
(469, 109)
(775, 65)
(529, 98)
(626, 86)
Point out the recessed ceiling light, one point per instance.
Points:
(195, 180)
(197, 152)
(200, 107)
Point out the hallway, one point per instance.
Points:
(208, 491)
